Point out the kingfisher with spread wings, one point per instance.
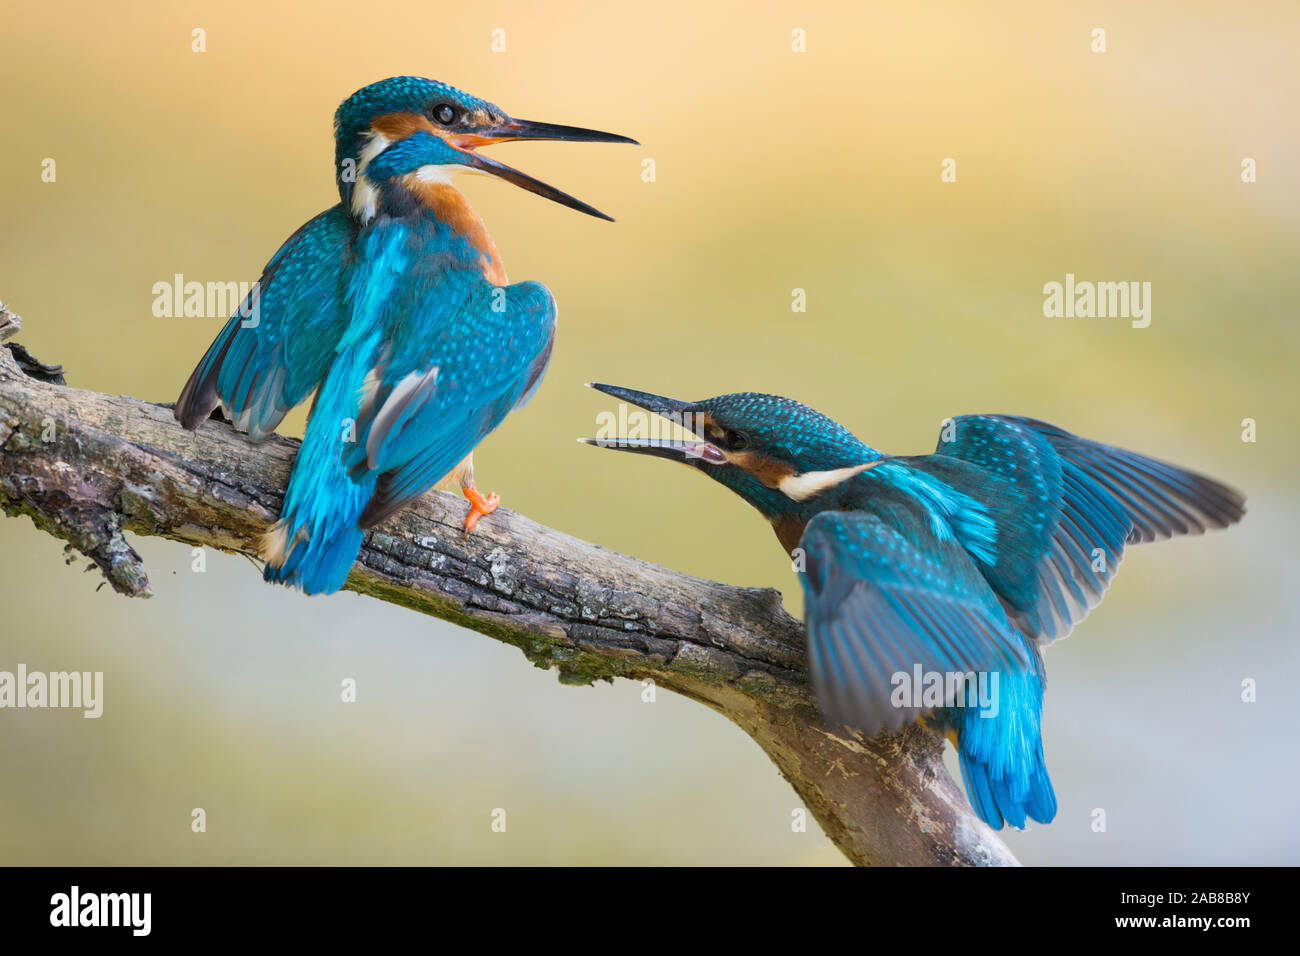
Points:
(960, 564)
(394, 307)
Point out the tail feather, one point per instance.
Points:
(1000, 750)
(317, 538)
(313, 545)
(1008, 800)
(1041, 802)
(979, 791)
(317, 565)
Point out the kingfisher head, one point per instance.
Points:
(408, 126)
(778, 454)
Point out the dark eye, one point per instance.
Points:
(445, 114)
(735, 441)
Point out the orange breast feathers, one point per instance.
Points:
(450, 206)
(438, 195)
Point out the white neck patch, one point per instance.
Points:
(364, 193)
(438, 174)
(813, 483)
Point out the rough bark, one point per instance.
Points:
(87, 467)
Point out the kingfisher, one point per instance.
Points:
(394, 307)
(932, 582)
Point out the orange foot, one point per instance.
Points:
(479, 506)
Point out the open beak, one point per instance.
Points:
(528, 129)
(673, 410)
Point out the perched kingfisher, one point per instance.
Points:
(963, 562)
(394, 306)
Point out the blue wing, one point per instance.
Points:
(1066, 508)
(1160, 500)
(469, 354)
(278, 347)
(886, 596)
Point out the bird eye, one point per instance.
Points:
(736, 441)
(445, 114)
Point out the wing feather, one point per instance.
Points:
(1070, 507)
(279, 344)
(448, 385)
(881, 601)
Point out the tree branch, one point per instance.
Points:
(87, 467)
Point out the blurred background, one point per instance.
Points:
(774, 170)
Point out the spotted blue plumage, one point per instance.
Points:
(420, 305)
(278, 346)
(964, 561)
(394, 307)
(885, 594)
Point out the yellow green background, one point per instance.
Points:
(774, 170)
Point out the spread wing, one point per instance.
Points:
(886, 597)
(471, 353)
(278, 347)
(1160, 500)
(1066, 508)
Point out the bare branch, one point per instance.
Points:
(87, 467)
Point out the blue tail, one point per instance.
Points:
(1001, 752)
(318, 565)
(1029, 794)
(317, 538)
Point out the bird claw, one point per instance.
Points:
(479, 506)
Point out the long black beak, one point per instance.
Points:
(528, 129)
(673, 410)
(531, 129)
(647, 400)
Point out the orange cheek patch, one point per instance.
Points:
(768, 471)
(395, 126)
